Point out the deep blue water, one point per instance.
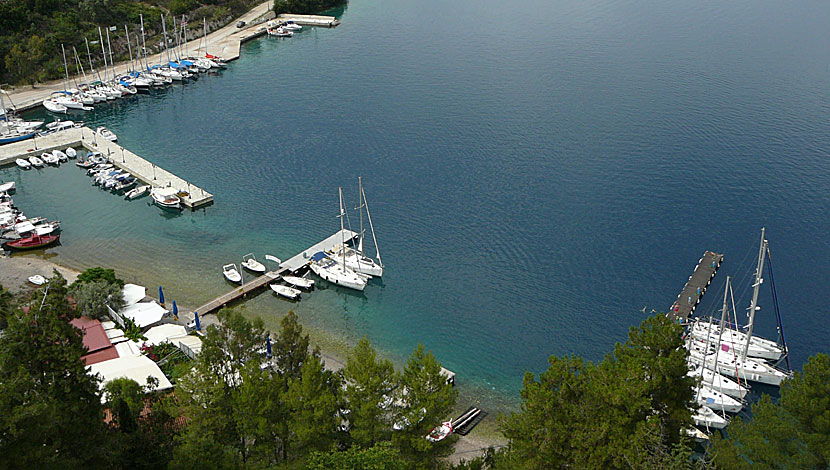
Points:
(538, 171)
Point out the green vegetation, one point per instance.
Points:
(32, 31)
(98, 274)
(303, 7)
(93, 297)
(235, 407)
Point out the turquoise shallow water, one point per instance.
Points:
(537, 174)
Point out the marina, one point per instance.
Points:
(292, 265)
(117, 155)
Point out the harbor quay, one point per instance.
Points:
(117, 155)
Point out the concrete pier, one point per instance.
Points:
(122, 158)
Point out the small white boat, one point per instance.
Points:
(24, 164)
(716, 400)
(36, 162)
(71, 153)
(439, 433)
(37, 280)
(301, 282)
(137, 192)
(285, 291)
(280, 32)
(705, 417)
(49, 159)
(62, 157)
(251, 264)
(7, 187)
(166, 198)
(292, 26)
(106, 134)
(231, 273)
(54, 106)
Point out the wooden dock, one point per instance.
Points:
(292, 265)
(690, 296)
(142, 169)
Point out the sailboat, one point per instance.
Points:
(355, 259)
(333, 271)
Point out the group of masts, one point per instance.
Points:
(139, 76)
(724, 359)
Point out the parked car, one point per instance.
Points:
(240, 24)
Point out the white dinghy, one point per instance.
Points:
(301, 282)
(231, 273)
(251, 264)
(285, 291)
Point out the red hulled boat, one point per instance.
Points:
(32, 242)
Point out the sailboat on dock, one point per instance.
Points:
(355, 258)
(333, 271)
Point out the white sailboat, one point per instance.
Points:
(732, 339)
(718, 382)
(330, 270)
(716, 400)
(705, 417)
(355, 258)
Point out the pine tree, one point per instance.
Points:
(369, 386)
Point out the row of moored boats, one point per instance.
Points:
(282, 29)
(19, 232)
(725, 359)
(285, 286)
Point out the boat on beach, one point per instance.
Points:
(37, 280)
(32, 242)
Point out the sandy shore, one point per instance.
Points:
(14, 271)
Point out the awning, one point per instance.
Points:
(133, 293)
(144, 314)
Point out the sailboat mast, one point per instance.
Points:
(755, 289)
(109, 44)
(143, 43)
(65, 67)
(204, 23)
(103, 52)
(89, 55)
(166, 44)
(80, 65)
(372, 227)
(360, 208)
(342, 228)
(720, 332)
(129, 48)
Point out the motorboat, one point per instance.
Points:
(285, 291)
(291, 25)
(35, 161)
(33, 242)
(23, 164)
(61, 125)
(166, 198)
(7, 187)
(125, 184)
(136, 193)
(37, 280)
(231, 273)
(280, 32)
(71, 152)
(439, 433)
(106, 134)
(330, 270)
(301, 282)
(61, 156)
(50, 159)
(251, 264)
(705, 417)
(716, 400)
(53, 106)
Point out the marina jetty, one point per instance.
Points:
(705, 270)
(292, 265)
(120, 157)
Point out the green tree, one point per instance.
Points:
(426, 399)
(369, 385)
(99, 274)
(379, 457)
(795, 433)
(23, 59)
(315, 403)
(217, 399)
(615, 414)
(50, 407)
(6, 306)
(290, 350)
(93, 297)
